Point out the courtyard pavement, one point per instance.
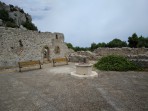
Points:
(54, 89)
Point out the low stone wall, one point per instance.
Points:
(137, 55)
(89, 55)
(121, 51)
(141, 62)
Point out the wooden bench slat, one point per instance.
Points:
(60, 59)
(56, 60)
(28, 63)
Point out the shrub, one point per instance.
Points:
(115, 63)
(12, 8)
(4, 15)
(30, 26)
(21, 10)
(11, 24)
(117, 43)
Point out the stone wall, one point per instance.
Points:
(121, 51)
(137, 55)
(22, 45)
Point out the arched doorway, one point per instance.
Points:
(57, 50)
(46, 54)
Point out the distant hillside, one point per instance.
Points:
(13, 16)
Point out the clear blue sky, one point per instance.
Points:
(86, 21)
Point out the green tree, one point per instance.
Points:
(146, 42)
(69, 45)
(4, 15)
(103, 44)
(117, 43)
(133, 41)
(93, 46)
(142, 42)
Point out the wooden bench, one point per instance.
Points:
(57, 60)
(28, 63)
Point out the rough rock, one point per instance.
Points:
(120, 51)
(23, 28)
(18, 17)
(16, 13)
(81, 56)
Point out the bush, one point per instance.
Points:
(117, 43)
(30, 26)
(11, 24)
(4, 15)
(115, 63)
(21, 10)
(12, 8)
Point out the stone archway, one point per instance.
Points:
(57, 50)
(46, 54)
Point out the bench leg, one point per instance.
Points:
(53, 64)
(40, 65)
(67, 62)
(20, 69)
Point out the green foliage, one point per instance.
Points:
(103, 44)
(93, 46)
(115, 63)
(69, 45)
(136, 41)
(143, 42)
(114, 43)
(12, 8)
(11, 24)
(133, 41)
(117, 43)
(4, 15)
(21, 10)
(81, 48)
(30, 26)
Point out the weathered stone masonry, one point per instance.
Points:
(22, 45)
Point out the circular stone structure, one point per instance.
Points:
(84, 71)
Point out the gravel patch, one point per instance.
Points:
(54, 89)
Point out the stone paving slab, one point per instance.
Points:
(54, 89)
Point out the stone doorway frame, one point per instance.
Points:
(46, 52)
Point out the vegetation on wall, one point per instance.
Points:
(9, 22)
(30, 26)
(115, 63)
(12, 8)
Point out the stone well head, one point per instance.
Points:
(84, 70)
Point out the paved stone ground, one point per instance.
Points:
(54, 89)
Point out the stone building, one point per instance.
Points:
(23, 45)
